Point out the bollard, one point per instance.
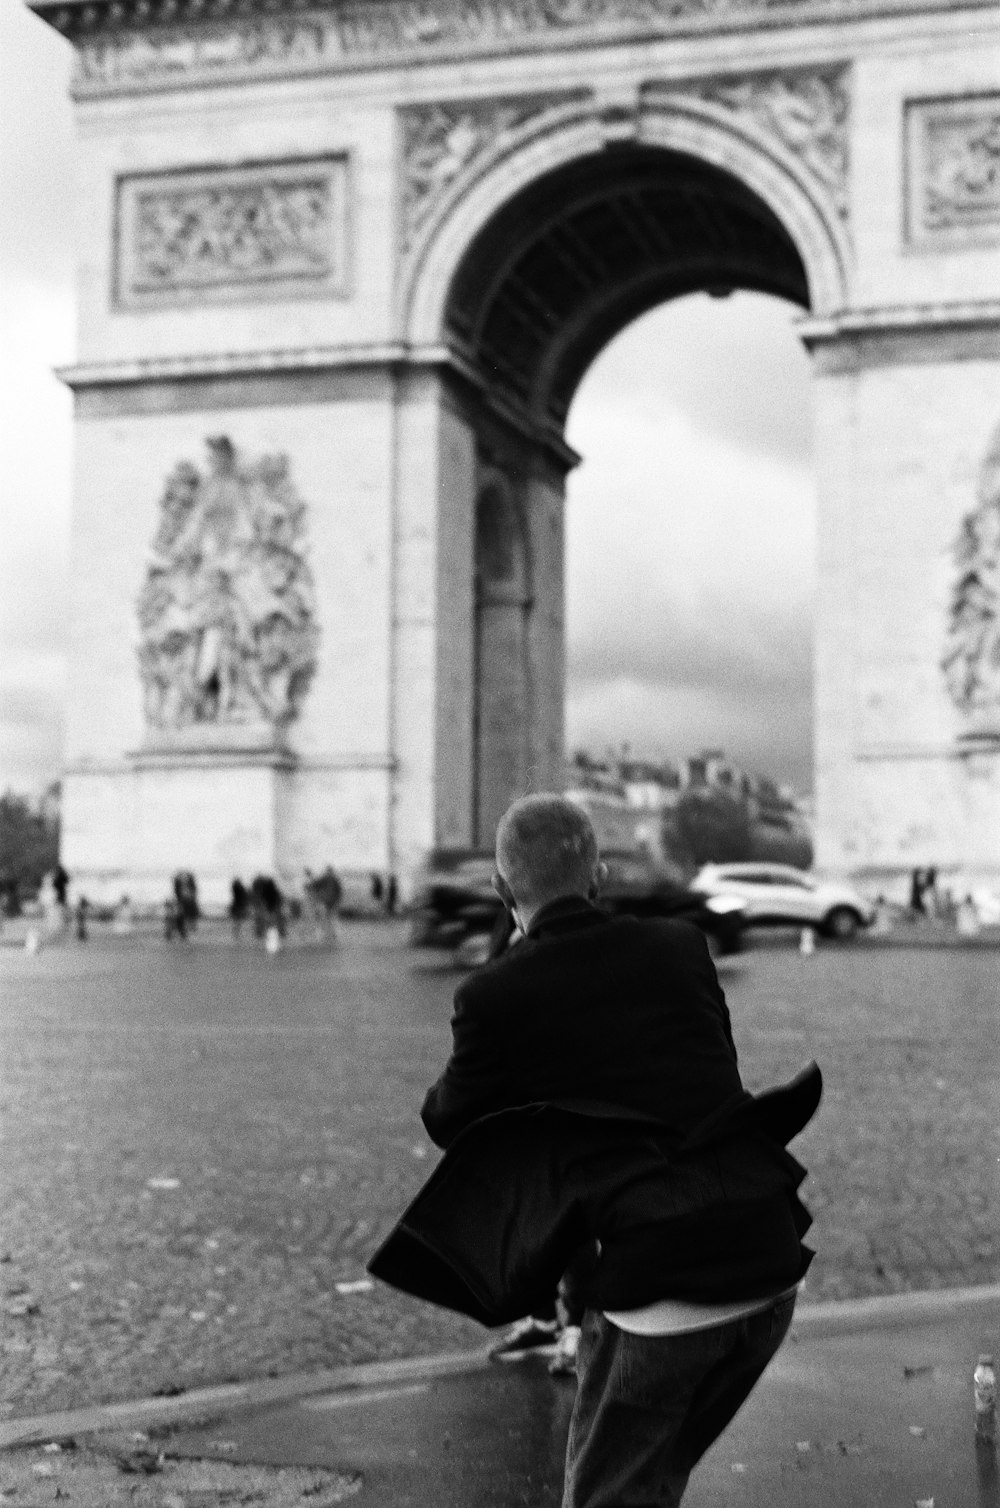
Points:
(807, 942)
(31, 941)
(272, 940)
(984, 1382)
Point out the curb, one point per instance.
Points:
(840, 1317)
(887, 1310)
(209, 1403)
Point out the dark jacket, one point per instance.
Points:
(610, 1109)
(609, 1009)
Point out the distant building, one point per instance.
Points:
(625, 795)
(650, 787)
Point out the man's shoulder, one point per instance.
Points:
(621, 934)
(669, 933)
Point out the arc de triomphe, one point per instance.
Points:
(341, 268)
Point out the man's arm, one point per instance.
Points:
(474, 1078)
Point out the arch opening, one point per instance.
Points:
(590, 246)
(547, 282)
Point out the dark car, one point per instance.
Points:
(455, 906)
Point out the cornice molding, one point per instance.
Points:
(899, 319)
(398, 359)
(288, 760)
(128, 46)
(201, 366)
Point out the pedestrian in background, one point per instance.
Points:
(82, 912)
(267, 906)
(314, 904)
(186, 895)
(239, 905)
(174, 920)
(60, 884)
(917, 907)
(330, 892)
(53, 919)
(124, 916)
(931, 898)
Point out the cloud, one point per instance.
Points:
(36, 148)
(31, 720)
(771, 735)
(735, 367)
(741, 650)
(33, 600)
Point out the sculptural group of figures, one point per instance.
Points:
(971, 661)
(227, 612)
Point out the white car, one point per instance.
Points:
(778, 895)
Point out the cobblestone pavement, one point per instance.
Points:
(199, 1143)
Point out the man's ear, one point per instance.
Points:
(600, 875)
(504, 891)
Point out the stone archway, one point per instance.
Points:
(385, 245)
(547, 279)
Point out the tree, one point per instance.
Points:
(709, 826)
(29, 845)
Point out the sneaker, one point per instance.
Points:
(563, 1363)
(525, 1336)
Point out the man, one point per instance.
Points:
(330, 892)
(592, 1106)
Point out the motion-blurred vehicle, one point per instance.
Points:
(455, 906)
(777, 895)
(453, 898)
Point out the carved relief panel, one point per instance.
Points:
(227, 612)
(807, 111)
(440, 140)
(275, 229)
(953, 171)
(971, 659)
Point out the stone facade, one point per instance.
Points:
(334, 235)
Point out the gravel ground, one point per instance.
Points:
(200, 1142)
(128, 1471)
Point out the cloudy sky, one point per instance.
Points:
(691, 539)
(691, 521)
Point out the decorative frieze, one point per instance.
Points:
(272, 228)
(953, 170)
(163, 57)
(136, 44)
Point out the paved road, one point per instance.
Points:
(866, 1403)
(200, 1143)
(875, 1412)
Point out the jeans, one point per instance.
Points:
(648, 1407)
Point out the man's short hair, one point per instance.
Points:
(546, 847)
